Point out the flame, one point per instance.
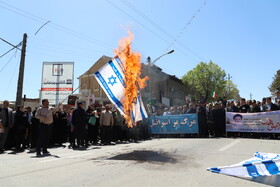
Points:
(132, 71)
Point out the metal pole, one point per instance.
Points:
(21, 71)
(161, 56)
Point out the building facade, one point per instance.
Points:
(161, 88)
(90, 92)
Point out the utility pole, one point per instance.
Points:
(21, 71)
(149, 75)
(229, 77)
(149, 60)
(251, 96)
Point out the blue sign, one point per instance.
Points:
(174, 124)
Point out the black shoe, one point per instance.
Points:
(1, 151)
(46, 152)
(38, 154)
(19, 150)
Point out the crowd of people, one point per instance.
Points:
(211, 116)
(49, 126)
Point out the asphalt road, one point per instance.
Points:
(157, 162)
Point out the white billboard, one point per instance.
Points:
(57, 81)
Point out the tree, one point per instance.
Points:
(231, 91)
(275, 85)
(204, 79)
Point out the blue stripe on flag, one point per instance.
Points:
(216, 170)
(108, 90)
(116, 71)
(119, 62)
(271, 167)
(133, 117)
(252, 170)
(141, 109)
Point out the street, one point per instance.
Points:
(156, 162)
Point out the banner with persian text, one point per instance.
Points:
(57, 81)
(174, 124)
(262, 122)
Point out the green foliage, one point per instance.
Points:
(208, 77)
(275, 85)
(231, 91)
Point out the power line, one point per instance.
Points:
(136, 20)
(8, 62)
(144, 26)
(54, 25)
(81, 36)
(42, 42)
(157, 26)
(9, 43)
(53, 50)
(11, 49)
(82, 58)
(29, 17)
(9, 84)
(74, 50)
(185, 27)
(145, 17)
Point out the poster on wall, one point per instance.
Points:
(57, 81)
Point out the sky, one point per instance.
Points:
(241, 36)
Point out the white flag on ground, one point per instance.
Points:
(111, 79)
(263, 164)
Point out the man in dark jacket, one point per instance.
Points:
(210, 120)
(7, 118)
(254, 108)
(244, 108)
(232, 107)
(219, 119)
(34, 129)
(271, 106)
(202, 121)
(191, 109)
(20, 125)
(79, 122)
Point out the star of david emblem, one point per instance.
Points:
(112, 80)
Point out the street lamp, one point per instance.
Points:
(169, 52)
(149, 72)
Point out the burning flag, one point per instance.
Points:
(263, 164)
(120, 79)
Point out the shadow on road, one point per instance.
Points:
(146, 156)
(45, 155)
(85, 148)
(273, 180)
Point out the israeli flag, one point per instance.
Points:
(111, 79)
(262, 164)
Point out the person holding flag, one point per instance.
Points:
(45, 116)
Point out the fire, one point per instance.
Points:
(132, 71)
